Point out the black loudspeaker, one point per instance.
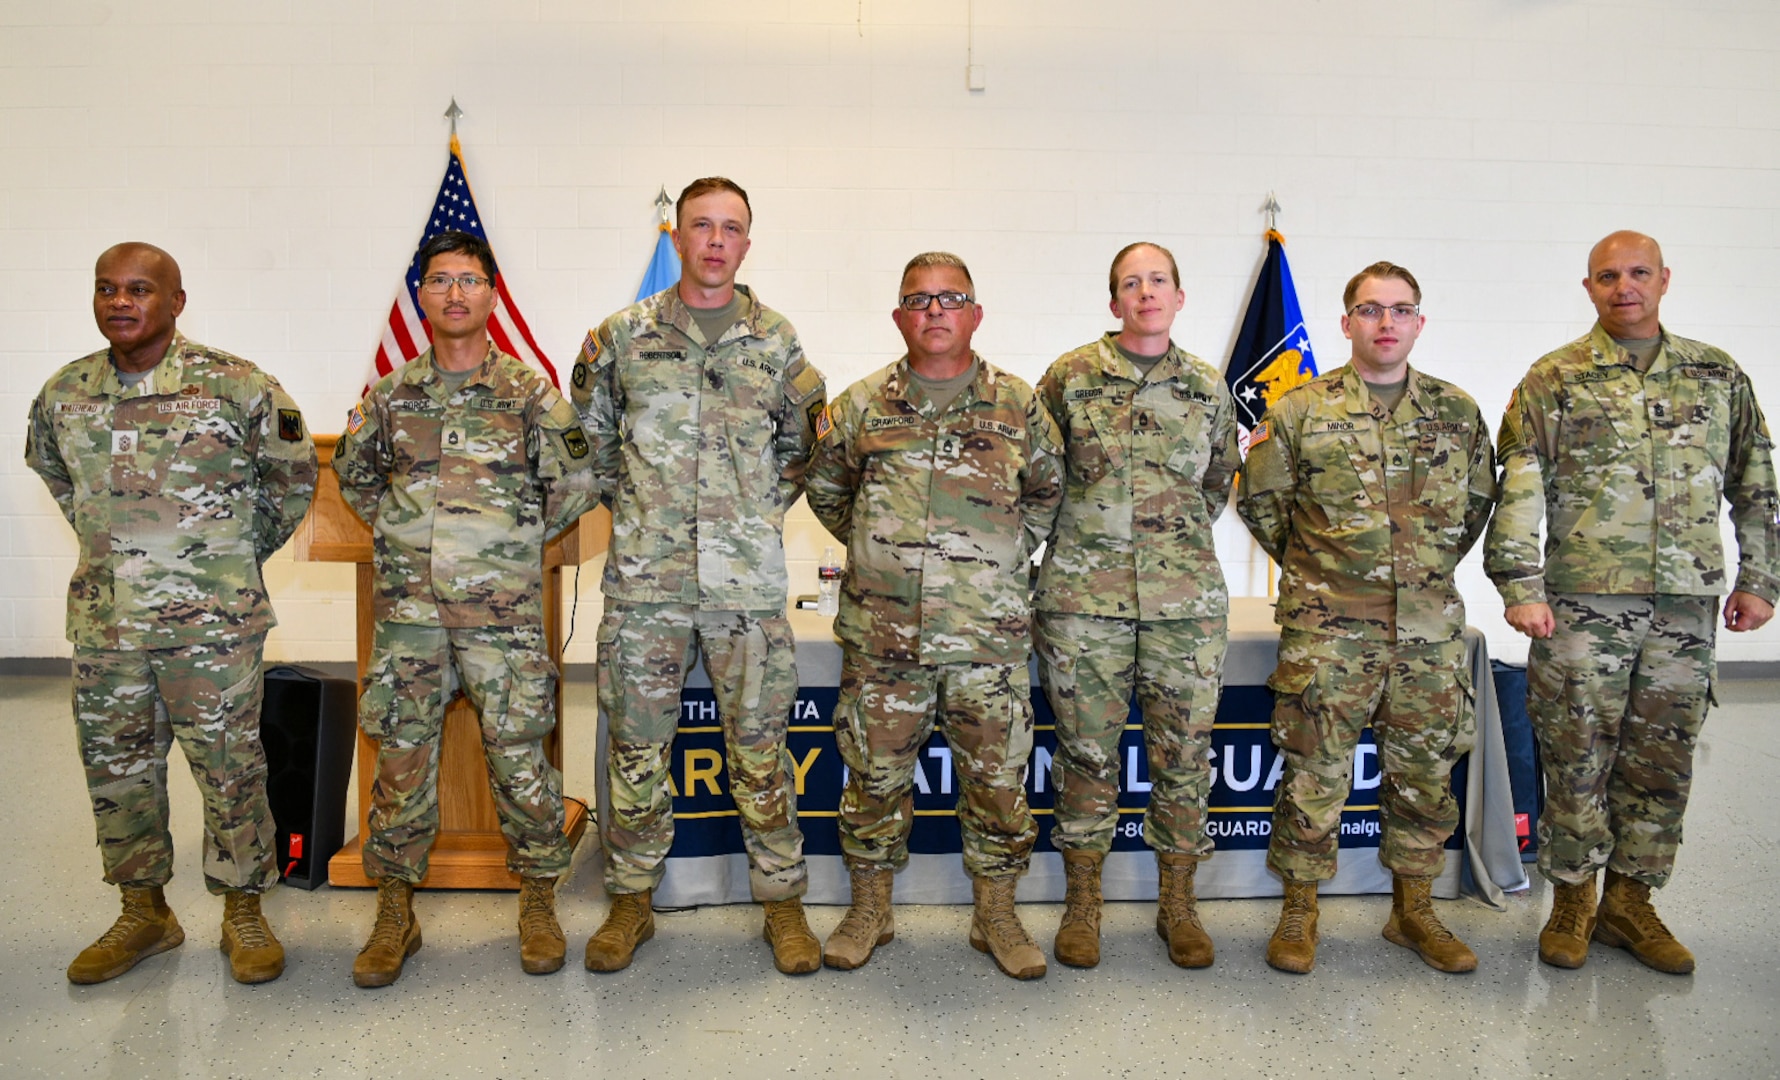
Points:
(309, 724)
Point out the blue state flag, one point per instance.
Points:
(664, 266)
(1272, 352)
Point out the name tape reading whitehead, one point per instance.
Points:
(1245, 764)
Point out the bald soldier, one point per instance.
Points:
(181, 468)
(1624, 444)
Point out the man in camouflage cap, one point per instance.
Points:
(702, 411)
(942, 478)
(1368, 485)
(464, 461)
(1625, 443)
(182, 469)
(1131, 597)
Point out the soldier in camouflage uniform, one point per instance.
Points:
(702, 411)
(942, 478)
(1368, 485)
(464, 462)
(1624, 443)
(182, 469)
(1131, 596)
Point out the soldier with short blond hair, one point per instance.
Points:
(703, 411)
(1626, 443)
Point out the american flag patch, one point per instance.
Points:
(1262, 430)
(355, 419)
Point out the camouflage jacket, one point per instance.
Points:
(940, 514)
(1149, 464)
(178, 488)
(1628, 473)
(1368, 514)
(461, 490)
(700, 448)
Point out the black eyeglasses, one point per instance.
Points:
(951, 301)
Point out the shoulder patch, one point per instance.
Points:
(575, 441)
(355, 419)
(1262, 431)
(805, 382)
(590, 349)
(290, 425)
(819, 420)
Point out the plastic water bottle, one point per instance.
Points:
(828, 598)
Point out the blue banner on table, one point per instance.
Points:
(1272, 352)
(1247, 770)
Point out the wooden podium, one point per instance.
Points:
(470, 852)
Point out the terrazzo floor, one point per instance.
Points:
(702, 999)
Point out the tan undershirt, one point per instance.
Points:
(942, 392)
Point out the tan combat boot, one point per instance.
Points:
(1627, 921)
(1177, 911)
(145, 927)
(394, 938)
(795, 950)
(868, 922)
(1564, 941)
(541, 944)
(1078, 936)
(629, 923)
(995, 929)
(1293, 945)
(1414, 925)
(255, 956)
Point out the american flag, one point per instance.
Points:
(406, 334)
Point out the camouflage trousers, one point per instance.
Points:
(129, 707)
(507, 674)
(1089, 667)
(886, 713)
(1617, 696)
(645, 652)
(1422, 709)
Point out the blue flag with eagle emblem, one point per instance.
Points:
(1272, 352)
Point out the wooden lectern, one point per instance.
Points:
(470, 852)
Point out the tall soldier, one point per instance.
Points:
(1131, 596)
(182, 469)
(1368, 485)
(703, 412)
(941, 477)
(464, 461)
(1625, 443)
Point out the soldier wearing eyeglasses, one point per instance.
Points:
(1368, 485)
(1131, 597)
(703, 411)
(1626, 443)
(942, 478)
(464, 461)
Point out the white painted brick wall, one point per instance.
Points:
(286, 153)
